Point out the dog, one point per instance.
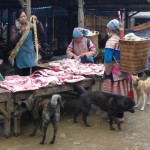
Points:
(141, 88)
(112, 104)
(43, 111)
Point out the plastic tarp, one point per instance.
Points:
(1, 77)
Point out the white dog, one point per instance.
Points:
(142, 88)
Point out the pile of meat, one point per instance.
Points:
(66, 70)
(75, 67)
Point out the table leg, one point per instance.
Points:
(7, 125)
(16, 126)
(7, 122)
(9, 107)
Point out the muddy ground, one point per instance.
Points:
(133, 136)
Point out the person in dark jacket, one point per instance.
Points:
(22, 39)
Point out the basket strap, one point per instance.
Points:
(115, 60)
(88, 43)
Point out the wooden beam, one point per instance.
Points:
(118, 7)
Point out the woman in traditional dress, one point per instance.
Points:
(22, 39)
(115, 81)
(81, 47)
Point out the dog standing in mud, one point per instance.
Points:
(110, 103)
(43, 111)
(142, 88)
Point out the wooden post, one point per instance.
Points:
(70, 23)
(16, 126)
(28, 8)
(1, 14)
(53, 23)
(1, 23)
(80, 13)
(22, 2)
(26, 4)
(126, 18)
(10, 22)
(7, 126)
(123, 18)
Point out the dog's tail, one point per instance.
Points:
(56, 98)
(78, 89)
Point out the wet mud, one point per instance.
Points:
(133, 136)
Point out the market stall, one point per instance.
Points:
(58, 77)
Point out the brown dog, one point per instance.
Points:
(142, 88)
(43, 111)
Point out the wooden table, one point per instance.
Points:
(8, 99)
(5, 100)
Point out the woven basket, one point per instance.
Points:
(94, 39)
(133, 55)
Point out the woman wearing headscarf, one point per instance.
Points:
(81, 46)
(115, 81)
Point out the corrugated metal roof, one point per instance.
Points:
(142, 15)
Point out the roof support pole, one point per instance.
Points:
(53, 22)
(10, 22)
(22, 2)
(27, 5)
(126, 19)
(1, 14)
(123, 18)
(80, 13)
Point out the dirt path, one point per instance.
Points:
(133, 136)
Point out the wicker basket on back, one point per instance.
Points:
(133, 55)
(94, 39)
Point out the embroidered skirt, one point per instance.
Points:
(121, 87)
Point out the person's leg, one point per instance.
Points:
(26, 71)
(141, 74)
(18, 71)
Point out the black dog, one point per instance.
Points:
(113, 104)
(43, 111)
